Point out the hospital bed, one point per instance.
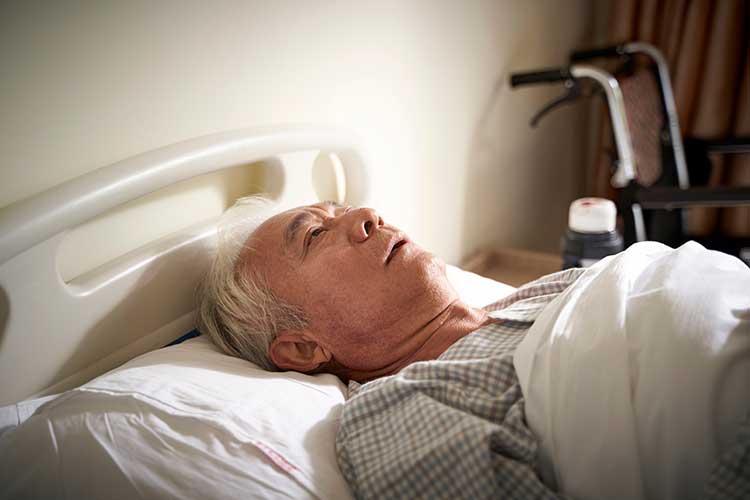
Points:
(108, 410)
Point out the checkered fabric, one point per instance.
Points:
(730, 476)
(453, 427)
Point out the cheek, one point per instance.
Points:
(354, 294)
(377, 291)
(343, 270)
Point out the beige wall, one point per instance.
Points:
(84, 84)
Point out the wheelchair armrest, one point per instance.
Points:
(726, 145)
(667, 198)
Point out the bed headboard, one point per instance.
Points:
(57, 333)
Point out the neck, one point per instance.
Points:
(432, 338)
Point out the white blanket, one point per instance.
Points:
(637, 377)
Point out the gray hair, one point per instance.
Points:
(236, 307)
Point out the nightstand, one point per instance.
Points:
(512, 266)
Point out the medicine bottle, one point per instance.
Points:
(591, 234)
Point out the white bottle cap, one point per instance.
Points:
(592, 215)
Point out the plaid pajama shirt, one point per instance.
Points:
(455, 427)
(435, 431)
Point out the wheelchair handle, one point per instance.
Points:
(544, 76)
(625, 167)
(613, 50)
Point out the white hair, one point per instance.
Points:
(236, 307)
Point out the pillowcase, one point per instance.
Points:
(181, 422)
(188, 421)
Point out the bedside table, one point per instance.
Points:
(512, 266)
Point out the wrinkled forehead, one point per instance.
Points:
(271, 239)
(281, 226)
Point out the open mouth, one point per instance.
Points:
(393, 251)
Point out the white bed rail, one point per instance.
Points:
(35, 219)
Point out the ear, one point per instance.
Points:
(297, 351)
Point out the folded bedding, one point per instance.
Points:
(630, 379)
(637, 378)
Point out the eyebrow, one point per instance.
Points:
(292, 229)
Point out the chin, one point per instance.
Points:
(432, 273)
(435, 263)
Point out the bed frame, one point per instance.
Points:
(56, 334)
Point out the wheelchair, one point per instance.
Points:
(650, 171)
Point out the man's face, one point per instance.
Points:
(364, 286)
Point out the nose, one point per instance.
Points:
(362, 223)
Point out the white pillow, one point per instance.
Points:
(476, 290)
(190, 422)
(182, 422)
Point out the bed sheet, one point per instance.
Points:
(654, 344)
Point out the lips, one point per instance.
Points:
(396, 242)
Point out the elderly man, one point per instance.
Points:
(626, 380)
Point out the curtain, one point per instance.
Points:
(706, 44)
